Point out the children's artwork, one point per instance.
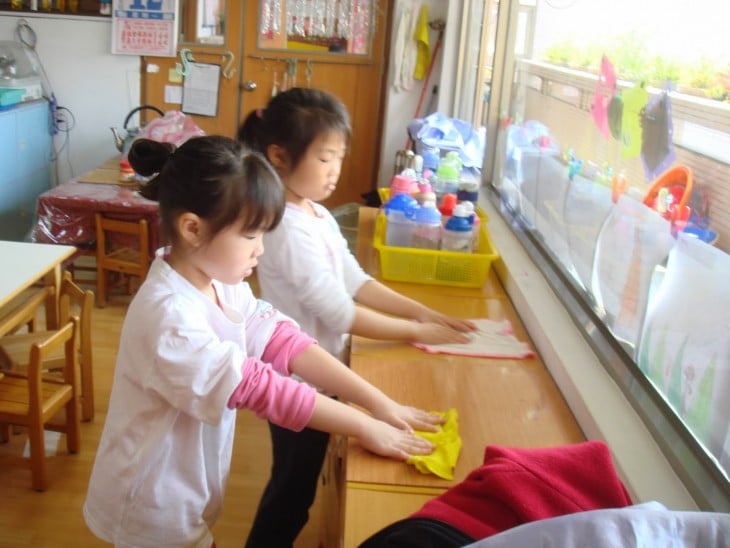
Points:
(492, 339)
(684, 347)
(605, 88)
(633, 241)
(634, 99)
(657, 150)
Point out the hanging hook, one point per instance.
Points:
(228, 70)
(187, 57)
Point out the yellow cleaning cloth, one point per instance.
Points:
(448, 444)
(423, 56)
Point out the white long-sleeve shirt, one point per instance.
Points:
(308, 272)
(164, 455)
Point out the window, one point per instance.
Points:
(608, 125)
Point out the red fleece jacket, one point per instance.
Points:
(516, 486)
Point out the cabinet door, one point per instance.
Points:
(33, 138)
(8, 165)
(25, 154)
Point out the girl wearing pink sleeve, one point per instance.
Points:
(196, 345)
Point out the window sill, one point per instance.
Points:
(599, 406)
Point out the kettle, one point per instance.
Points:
(123, 142)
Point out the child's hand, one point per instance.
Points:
(388, 441)
(408, 418)
(431, 316)
(436, 333)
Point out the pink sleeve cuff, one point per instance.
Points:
(284, 345)
(282, 400)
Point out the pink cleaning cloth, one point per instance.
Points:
(492, 339)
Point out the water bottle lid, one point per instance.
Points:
(400, 202)
(427, 213)
(448, 201)
(448, 172)
(459, 221)
(461, 210)
(401, 183)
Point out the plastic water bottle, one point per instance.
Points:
(475, 225)
(427, 226)
(398, 213)
(458, 231)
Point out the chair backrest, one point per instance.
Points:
(65, 336)
(105, 226)
(76, 302)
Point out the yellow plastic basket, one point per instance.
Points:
(427, 266)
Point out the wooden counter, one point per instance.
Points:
(499, 401)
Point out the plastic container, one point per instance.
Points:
(431, 157)
(427, 226)
(399, 213)
(347, 216)
(457, 231)
(436, 267)
(475, 225)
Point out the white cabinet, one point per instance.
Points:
(25, 166)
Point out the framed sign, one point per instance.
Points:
(145, 27)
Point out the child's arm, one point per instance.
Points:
(434, 328)
(375, 435)
(294, 405)
(320, 368)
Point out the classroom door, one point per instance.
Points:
(356, 80)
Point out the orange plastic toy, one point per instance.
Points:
(678, 181)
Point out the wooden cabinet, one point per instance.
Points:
(25, 165)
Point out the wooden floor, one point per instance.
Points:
(54, 518)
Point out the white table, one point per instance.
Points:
(24, 264)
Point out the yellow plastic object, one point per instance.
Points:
(427, 266)
(448, 446)
(384, 193)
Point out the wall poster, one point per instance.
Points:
(145, 27)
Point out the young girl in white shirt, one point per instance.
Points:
(309, 273)
(196, 345)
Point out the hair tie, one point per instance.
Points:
(260, 113)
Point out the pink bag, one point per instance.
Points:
(174, 127)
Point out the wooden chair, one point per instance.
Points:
(126, 260)
(29, 399)
(23, 309)
(74, 302)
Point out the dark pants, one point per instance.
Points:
(284, 507)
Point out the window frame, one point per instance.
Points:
(695, 467)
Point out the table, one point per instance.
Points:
(27, 263)
(65, 213)
(499, 401)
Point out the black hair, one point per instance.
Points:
(214, 177)
(292, 120)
